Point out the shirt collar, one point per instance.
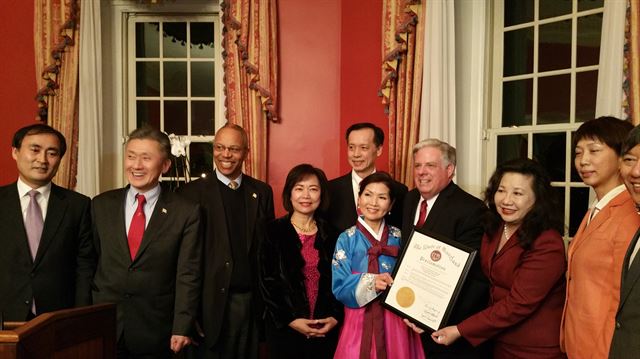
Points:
(378, 235)
(599, 205)
(357, 179)
(224, 179)
(24, 188)
(150, 196)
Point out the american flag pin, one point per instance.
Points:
(164, 210)
(255, 195)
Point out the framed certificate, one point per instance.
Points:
(427, 279)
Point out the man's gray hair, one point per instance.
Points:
(448, 151)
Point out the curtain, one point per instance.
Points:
(402, 44)
(250, 73)
(438, 110)
(55, 36)
(632, 62)
(90, 100)
(610, 94)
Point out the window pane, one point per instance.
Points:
(590, 4)
(202, 44)
(586, 89)
(148, 112)
(177, 167)
(551, 8)
(510, 147)
(517, 98)
(546, 150)
(577, 208)
(201, 158)
(147, 78)
(202, 79)
(555, 46)
(147, 39)
(174, 39)
(517, 12)
(202, 118)
(559, 193)
(554, 96)
(518, 52)
(589, 32)
(175, 79)
(175, 117)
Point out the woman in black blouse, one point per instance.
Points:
(302, 314)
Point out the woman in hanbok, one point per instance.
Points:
(364, 256)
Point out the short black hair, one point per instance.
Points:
(38, 129)
(378, 134)
(240, 129)
(610, 130)
(379, 177)
(150, 133)
(299, 173)
(632, 140)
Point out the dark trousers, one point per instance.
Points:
(124, 352)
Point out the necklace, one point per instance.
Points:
(506, 232)
(310, 228)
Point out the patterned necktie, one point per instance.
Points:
(423, 214)
(136, 229)
(233, 184)
(33, 222)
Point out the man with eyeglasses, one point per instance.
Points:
(236, 208)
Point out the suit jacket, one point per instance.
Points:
(218, 262)
(342, 212)
(458, 216)
(625, 343)
(282, 281)
(157, 292)
(527, 293)
(60, 276)
(595, 256)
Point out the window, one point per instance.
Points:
(545, 74)
(173, 82)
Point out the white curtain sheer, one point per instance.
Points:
(438, 105)
(90, 100)
(610, 95)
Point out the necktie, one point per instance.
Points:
(136, 229)
(233, 184)
(33, 222)
(423, 214)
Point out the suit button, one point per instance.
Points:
(127, 295)
(618, 325)
(32, 275)
(131, 269)
(221, 290)
(27, 302)
(227, 264)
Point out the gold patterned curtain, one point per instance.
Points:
(56, 25)
(402, 49)
(250, 73)
(632, 62)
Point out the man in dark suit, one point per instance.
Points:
(150, 253)
(440, 206)
(46, 255)
(625, 343)
(364, 146)
(235, 209)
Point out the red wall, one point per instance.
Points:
(18, 80)
(329, 76)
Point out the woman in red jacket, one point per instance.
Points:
(523, 256)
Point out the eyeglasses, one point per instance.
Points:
(236, 150)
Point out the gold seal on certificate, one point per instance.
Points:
(427, 279)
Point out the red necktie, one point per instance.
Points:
(136, 229)
(423, 214)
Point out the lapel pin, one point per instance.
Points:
(255, 195)
(164, 210)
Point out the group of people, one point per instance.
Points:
(209, 270)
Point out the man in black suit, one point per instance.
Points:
(455, 214)
(625, 343)
(364, 146)
(46, 255)
(150, 253)
(235, 209)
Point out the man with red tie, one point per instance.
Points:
(46, 256)
(150, 254)
(438, 205)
